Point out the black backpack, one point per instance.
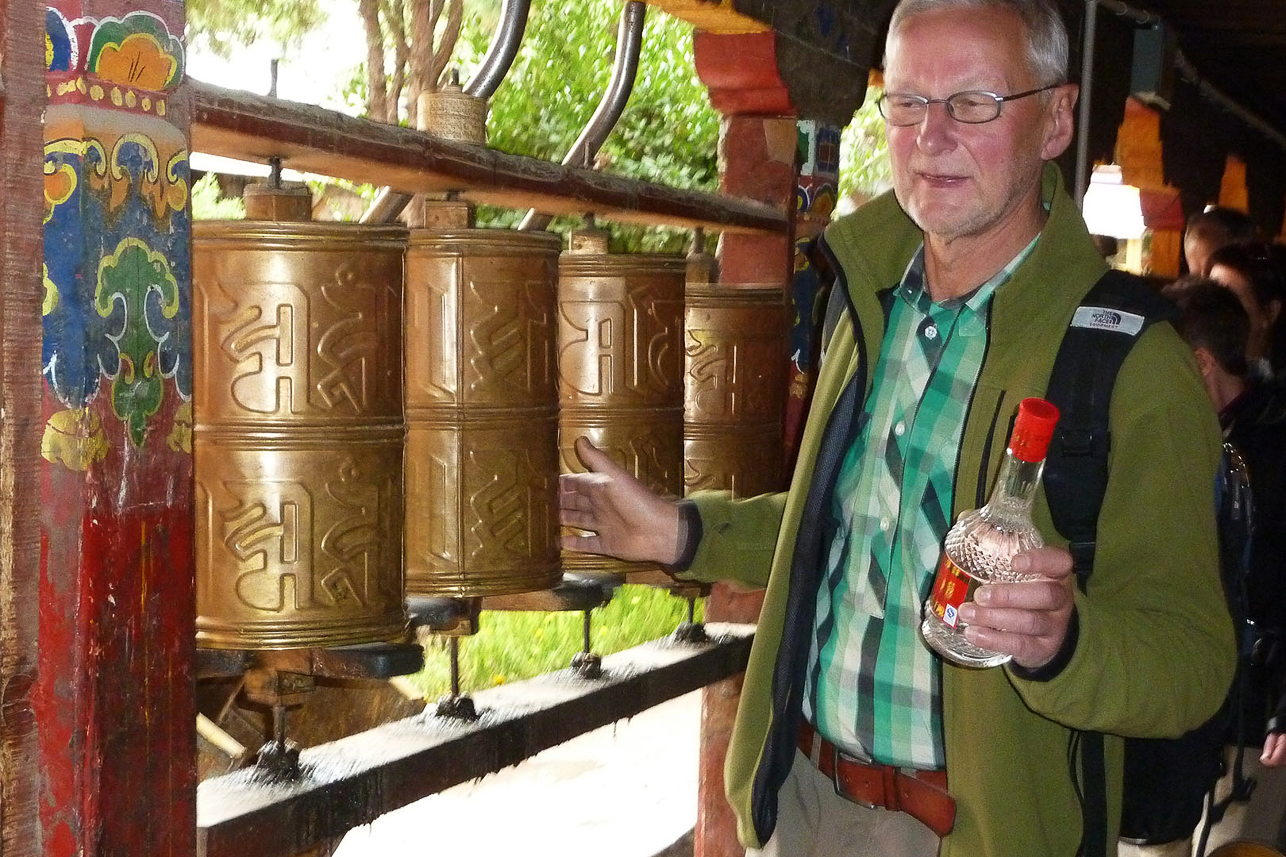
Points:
(1166, 781)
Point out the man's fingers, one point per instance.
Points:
(594, 459)
(1030, 595)
(581, 544)
(581, 520)
(1051, 562)
(1030, 623)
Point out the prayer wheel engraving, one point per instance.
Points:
(734, 388)
(297, 334)
(620, 370)
(482, 413)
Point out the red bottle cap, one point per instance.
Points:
(1033, 429)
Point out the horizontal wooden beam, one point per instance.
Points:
(311, 139)
(355, 780)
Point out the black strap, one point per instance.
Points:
(1110, 319)
(1107, 324)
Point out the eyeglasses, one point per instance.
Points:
(973, 107)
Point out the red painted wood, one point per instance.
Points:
(115, 697)
(117, 713)
(740, 71)
(21, 213)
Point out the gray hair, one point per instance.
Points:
(1047, 47)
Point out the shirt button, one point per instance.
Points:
(931, 332)
(886, 524)
(899, 429)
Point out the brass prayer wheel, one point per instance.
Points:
(481, 411)
(620, 368)
(297, 344)
(734, 388)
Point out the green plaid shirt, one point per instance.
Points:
(873, 687)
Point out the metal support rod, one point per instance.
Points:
(388, 204)
(279, 723)
(585, 631)
(454, 647)
(503, 49)
(1088, 47)
(629, 44)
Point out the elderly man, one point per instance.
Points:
(852, 738)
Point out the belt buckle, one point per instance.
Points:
(836, 756)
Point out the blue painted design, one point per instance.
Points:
(122, 195)
(60, 41)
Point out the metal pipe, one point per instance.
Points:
(389, 203)
(1087, 94)
(504, 47)
(1190, 73)
(387, 206)
(1227, 102)
(629, 44)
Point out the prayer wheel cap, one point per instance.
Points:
(453, 114)
(589, 241)
(290, 203)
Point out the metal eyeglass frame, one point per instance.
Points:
(951, 110)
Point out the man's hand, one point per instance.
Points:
(624, 517)
(1274, 755)
(1027, 620)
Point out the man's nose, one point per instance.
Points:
(937, 129)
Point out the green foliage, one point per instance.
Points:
(667, 134)
(208, 204)
(514, 646)
(864, 153)
(220, 26)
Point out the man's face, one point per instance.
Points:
(958, 180)
(1261, 317)
(1196, 252)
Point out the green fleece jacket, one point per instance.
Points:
(1155, 650)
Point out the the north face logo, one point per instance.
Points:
(1105, 318)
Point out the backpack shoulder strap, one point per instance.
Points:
(1110, 319)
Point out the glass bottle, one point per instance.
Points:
(979, 547)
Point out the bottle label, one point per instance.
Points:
(952, 587)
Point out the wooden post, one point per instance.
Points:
(115, 702)
(22, 101)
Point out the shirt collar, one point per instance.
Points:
(912, 287)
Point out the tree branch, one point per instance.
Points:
(392, 11)
(376, 82)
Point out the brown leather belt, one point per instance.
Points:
(920, 794)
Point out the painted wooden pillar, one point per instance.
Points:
(22, 103)
(115, 701)
(757, 147)
(783, 100)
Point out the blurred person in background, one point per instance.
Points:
(1211, 229)
(1253, 416)
(1253, 273)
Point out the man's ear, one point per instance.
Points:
(1060, 125)
(1205, 360)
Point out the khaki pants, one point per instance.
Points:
(813, 821)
